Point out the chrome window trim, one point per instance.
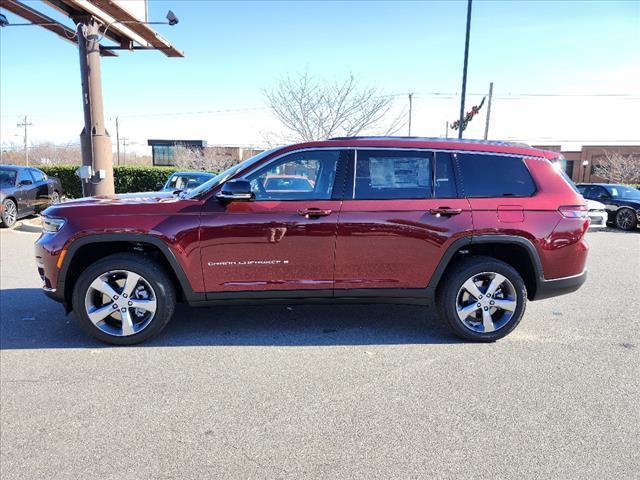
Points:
(404, 149)
(355, 166)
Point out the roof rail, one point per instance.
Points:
(433, 139)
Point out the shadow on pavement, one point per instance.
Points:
(29, 320)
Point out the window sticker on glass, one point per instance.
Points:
(399, 172)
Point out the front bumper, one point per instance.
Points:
(559, 286)
(598, 219)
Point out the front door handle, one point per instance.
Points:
(314, 212)
(445, 211)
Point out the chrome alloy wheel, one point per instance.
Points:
(10, 214)
(486, 302)
(625, 219)
(120, 303)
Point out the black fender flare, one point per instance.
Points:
(480, 239)
(133, 238)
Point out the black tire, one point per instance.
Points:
(626, 219)
(151, 272)
(451, 285)
(9, 221)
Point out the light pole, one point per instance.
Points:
(464, 70)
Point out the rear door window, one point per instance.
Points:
(485, 175)
(37, 175)
(444, 178)
(390, 174)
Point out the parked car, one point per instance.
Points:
(621, 201)
(25, 191)
(597, 214)
(180, 181)
(475, 228)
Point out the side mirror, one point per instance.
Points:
(235, 190)
(25, 182)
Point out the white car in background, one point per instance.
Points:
(597, 214)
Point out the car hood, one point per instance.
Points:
(123, 198)
(122, 204)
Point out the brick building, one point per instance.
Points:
(581, 164)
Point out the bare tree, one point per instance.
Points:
(618, 168)
(311, 109)
(212, 159)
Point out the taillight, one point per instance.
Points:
(574, 211)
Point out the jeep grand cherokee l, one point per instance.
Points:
(476, 228)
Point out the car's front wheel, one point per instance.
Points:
(482, 299)
(9, 213)
(626, 219)
(124, 299)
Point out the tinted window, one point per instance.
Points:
(306, 175)
(37, 175)
(8, 176)
(495, 176)
(384, 174)
(23, 174)
(445, 180)
(623, 191)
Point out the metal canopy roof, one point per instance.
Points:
(121, 24)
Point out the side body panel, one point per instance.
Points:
(268, 245)
(395, 243)
(559, 241)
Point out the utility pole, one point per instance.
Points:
(117, 141)
(124, 150)
(464, 70)
(486, 125)
(94, 139)
(446, 131)
(410, 111)
(26, 125)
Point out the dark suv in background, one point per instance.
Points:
(621, 201)
(476, 228)
(25, 191)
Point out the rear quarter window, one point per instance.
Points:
(485, 175)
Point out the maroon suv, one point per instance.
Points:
(475, 228)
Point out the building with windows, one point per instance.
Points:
(581, 165)
(162, 151)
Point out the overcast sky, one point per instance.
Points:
(564, 72)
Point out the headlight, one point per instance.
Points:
(50, 224)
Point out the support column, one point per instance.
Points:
(95, 142)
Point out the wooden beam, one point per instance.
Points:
(31, 15)
(145, 31)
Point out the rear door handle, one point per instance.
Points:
(314, 212)
(445, 211)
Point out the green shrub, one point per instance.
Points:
(127, 179)
(66, 174)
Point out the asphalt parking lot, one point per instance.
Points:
(326, 391)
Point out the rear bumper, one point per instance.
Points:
(559, 286)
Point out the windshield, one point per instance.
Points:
(7, 176)
(624, 191)
(221, 177)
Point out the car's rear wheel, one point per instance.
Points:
(9, 213)
(124, 299)
(626, 219)
(482, 299)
